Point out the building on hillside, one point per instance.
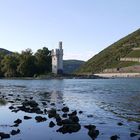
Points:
(57, 60)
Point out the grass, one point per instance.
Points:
(110, 57)
(134, 54)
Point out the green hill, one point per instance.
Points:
(4, 51)
(110, 57)
(71, 65)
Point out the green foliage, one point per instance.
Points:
(26, 67)
(110, 56)
(9, 65)
(134, 54)
(25, 64)
(71, 65)
(43, 60)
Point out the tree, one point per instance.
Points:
(43, 60)
(9, 65)
(27, 67)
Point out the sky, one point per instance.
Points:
(84, 26)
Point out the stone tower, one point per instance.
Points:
(57, 59)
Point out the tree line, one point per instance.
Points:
(25, 64)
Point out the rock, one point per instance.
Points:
(52, 113)
(27, 117)
(65, 109)
(64, 115)
(90, 127)
(30, 103)
(139, 127)
(44, 103)
(18, 121)
(15, 132)
(69, 128)
(67, 121)
(90, 116)
(133, 134)
(4, 135)
(93, 133)
(11, 107)
(11, 101)
(75, 119)
(74, 113)
(53, 104)
(10, 94)
(51, 124)
(31, 98)
(80, 112)
(45, 111)
(120, 124)
(40, 119)
(15, 125)
(58, 120)
(115, 137)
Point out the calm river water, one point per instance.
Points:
(104, 102)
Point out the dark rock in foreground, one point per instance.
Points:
(115, 137)
(90, 127)
(69, 128)
(51, 124)
(133, 134)
(40, 119)
(30, 103)
(52, 113)
(4, 135)
(65, 109)
(27, 117)
(93, 133)
(120, 124)
(15, 132)
(18, 121)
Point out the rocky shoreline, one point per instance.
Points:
(64, 118)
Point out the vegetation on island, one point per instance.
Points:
(110, 57)
(25, 64)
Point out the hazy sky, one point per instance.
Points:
(85, 26)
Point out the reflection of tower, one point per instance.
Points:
(57, 60)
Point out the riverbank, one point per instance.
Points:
(59, 77)
(119, 75)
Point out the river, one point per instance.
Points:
(103, 102)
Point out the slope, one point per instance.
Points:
(110, 57)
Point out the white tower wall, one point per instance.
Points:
(57, 60)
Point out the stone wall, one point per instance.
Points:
(130, 59)
(135, 68)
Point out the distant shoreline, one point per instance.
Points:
(71, 76)
(57, 77)
(119, 75)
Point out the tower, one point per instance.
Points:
(57, 59)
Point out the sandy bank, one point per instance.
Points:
(118, 74)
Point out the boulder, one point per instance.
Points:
(4, 135)
(15, 132)
(18, 121)
(40, 119)
(30, 103)
(65, 109)
(27, 117)
(51, 124)
(115, 137)
(69, 128)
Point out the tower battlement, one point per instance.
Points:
(57, 59)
